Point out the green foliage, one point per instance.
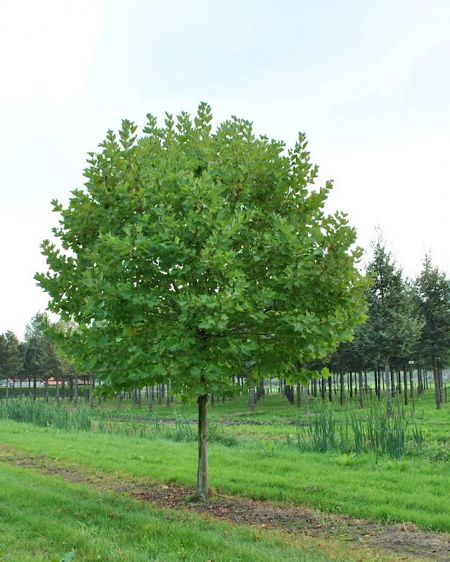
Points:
(432, 290)
(41, 357)
(356, 431)
(11, 364)
(193, 252)
(392, 328)
(46, 415)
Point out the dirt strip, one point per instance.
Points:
(404, 541)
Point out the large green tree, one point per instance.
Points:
(191, 252)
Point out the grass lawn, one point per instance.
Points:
(411, 490)
(276, 415)
(42, 518)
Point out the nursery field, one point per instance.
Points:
(97, 482)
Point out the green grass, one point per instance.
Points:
(43, 518)
(413, 490)
(45, 414)
(274, 412)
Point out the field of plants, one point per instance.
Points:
(315, 482)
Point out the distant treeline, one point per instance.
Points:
(402, 348)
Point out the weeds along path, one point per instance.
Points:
(404, 541)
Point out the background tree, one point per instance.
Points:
(41, 360)
(433, 301)
(391, 325)
(192, 252)
(11, 365)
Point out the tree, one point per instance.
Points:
(41, 360)
(433, 300)
(192, 252)
(391, 325)
(11, 364)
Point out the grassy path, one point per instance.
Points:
(411, 490)
(403, 541)
(43, 518)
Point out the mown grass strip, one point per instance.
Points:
(43, 518)
(363, 486)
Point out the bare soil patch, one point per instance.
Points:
(404, 541)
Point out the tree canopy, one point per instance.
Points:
(392, 328)
(41, 358)
(11, 364)
(191, 252)
(433, 302)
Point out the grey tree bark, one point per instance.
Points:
(202, 474)
(387, 370)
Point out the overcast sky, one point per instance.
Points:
(367, 81)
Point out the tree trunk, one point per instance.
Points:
(290, 393)
(411, 383)
(75, 390)
(441, 381)
(167, 395)
(251, 397)
(419, 381)
(261, 389)
(437, 384)
(361, 389)
(91, 391)
(149, 399)
(388, 388)
(322, 388)
(202, 474)
(405, 384)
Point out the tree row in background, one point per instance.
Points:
(407, 327)
(402, 349)
(35, 361)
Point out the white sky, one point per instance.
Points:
(368, 81)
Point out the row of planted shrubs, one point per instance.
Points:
(324, 430)
(45, 414)
(357, 431)
(82, 418)
(176, 429)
